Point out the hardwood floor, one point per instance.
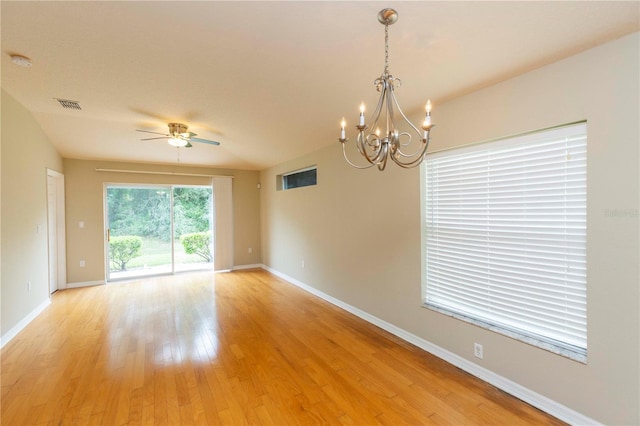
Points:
(234, 348)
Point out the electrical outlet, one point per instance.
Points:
(82, 263)
(250, 250)
(477, 350)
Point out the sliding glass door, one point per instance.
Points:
(153, 230)
(192, 235)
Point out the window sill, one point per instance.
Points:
(525, 338)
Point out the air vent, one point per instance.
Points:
(68, 104)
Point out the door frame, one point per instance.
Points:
(56, 234)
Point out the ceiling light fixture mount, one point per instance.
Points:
(395, 143)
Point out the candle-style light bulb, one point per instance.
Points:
(361, 122)
(426, 125)
(343, 123)
(427, 118)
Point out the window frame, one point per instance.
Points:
(281, 179)
(577, 354)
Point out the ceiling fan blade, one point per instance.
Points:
(205, 141)
(188, 145)
(155, 133)
(151, 139)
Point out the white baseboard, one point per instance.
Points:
(545, 404)
(85, 284)
(254, 266)
(23, 323)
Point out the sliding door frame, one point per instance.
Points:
(170, 188)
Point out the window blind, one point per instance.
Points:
(506, 234)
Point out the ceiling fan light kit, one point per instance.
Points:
(375, 146)
(177, 142)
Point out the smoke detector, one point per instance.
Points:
(21, 61)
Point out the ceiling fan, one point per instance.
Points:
(179, 136)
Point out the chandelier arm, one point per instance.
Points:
(382, 164)
(418, 159)
(383, 95)
(374, 143)
(344, 154)
(400, 144)
(362, 142)
(377, 147)
(372, 140)
(407, 144)
(391, 122)
(382, 153)
(360, 145)
(395, 101)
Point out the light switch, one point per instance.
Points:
(81, 224)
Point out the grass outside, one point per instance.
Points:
(157, 253)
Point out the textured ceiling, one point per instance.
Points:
(269, 80)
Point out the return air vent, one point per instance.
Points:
(68, 104)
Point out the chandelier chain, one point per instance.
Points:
(386, 49)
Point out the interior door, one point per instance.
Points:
(56, 231)
(52, 220)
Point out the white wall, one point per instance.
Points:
(358, 232)
(26, 155)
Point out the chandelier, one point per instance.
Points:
(395, 143)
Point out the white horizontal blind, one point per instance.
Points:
(506, 234)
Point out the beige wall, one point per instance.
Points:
(359, 231)
(26, 155)
(84, 193)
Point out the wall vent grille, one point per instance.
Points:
(68, 104)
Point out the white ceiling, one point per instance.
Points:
(269, 80)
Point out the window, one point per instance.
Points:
(298, 178)
(505, 232)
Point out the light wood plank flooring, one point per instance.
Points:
(235, 348)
